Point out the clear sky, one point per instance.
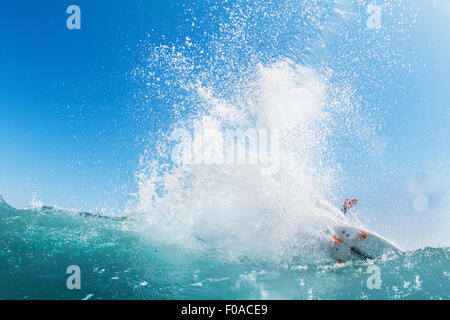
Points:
(70, 135)
(66, 130)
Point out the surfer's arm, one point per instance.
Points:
(348, 204)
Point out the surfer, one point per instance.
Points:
(348, 204)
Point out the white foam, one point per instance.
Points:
(234, 208)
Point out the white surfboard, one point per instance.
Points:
(349, 243)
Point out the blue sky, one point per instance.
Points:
(65, 97)
(69, 134)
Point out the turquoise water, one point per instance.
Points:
(117, 262)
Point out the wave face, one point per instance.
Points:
(116, 262)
